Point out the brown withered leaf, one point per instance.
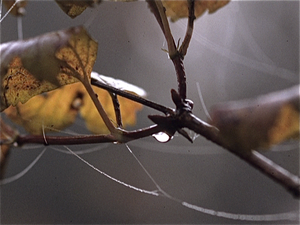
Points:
(57, 109)
(75, 8)
(259, 123)
(41, 64)
(18, 9)
(179, 9)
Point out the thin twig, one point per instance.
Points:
(116, 105)
(87, 139)
(64, 140)
(145, 102)
(189, 30)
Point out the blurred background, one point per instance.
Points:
(244, 50)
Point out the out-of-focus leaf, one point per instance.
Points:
(18, 9)
(76, 7)
(41, 64)
(179, 9)
(58, 109)
(259, 123)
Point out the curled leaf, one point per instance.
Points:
(259, 123)
(57, 109)
(41, 64)
(75, 8)
(179, 9)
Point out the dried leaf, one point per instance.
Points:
(44, 63)
(18, 9)
(75, 8)
(58, 109)
(51, 111)
(259, 123)
(179, 9)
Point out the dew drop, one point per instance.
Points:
(162, 137)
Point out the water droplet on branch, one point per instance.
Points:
(162, 137)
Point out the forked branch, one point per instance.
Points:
(184, 117)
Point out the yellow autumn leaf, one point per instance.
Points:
(41, 64)
(51, 111)
(179, 9)
(57, 109)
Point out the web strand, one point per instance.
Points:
(22, 173)
(165, 194)
(112, 178)
(202, 100)
(8, 11)
(292, 216)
